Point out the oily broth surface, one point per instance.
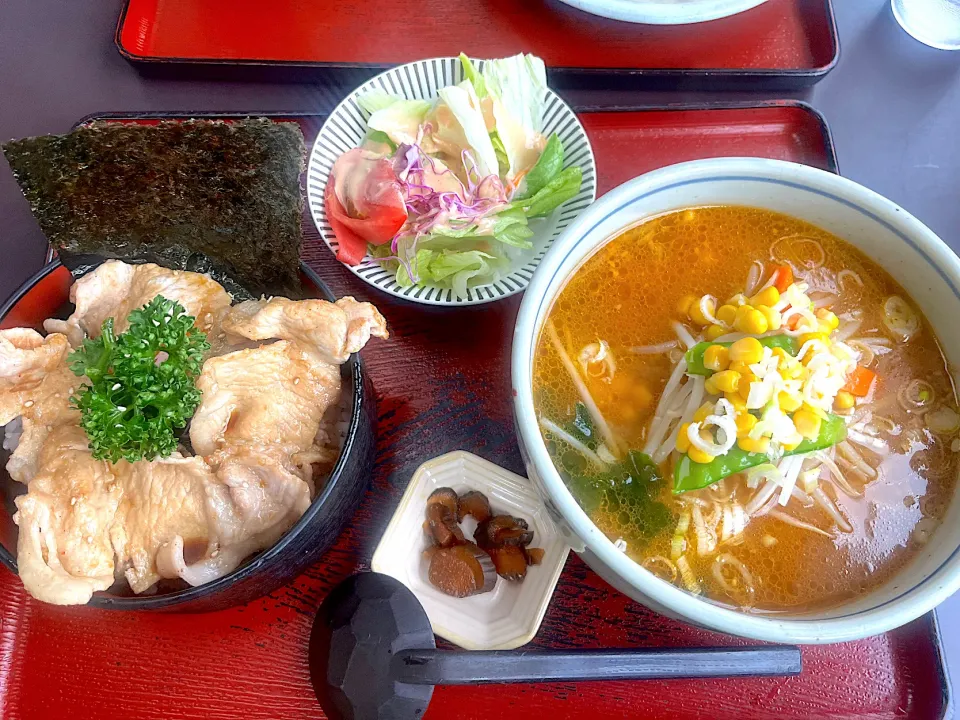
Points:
(627, 294)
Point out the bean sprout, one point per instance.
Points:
(791, 520)
(570, 440)
(658, 349)
(820, 497)
(685, 337)
(761, 497)
(825, 300)
(837, 476)
(753, 277)
(585, 395)
(706, 539)
(847, 329)
(846, 450)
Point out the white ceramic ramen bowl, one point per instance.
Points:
(910, 252)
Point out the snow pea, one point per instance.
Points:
(694, 355)
(689, 475)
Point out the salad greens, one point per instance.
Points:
(444, 192)
(141, 382)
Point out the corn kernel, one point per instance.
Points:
(807, 424)
(743, 386)
(774, 320)
(726, 381)
(805, 337)
(699, 456)
(748, 444)
(710, 387)
(828, 319)
(844, 400)
(727, 313)
(683, 307)
(702, 412)
(745, 422)
(768, 297)
(715, 331)
(750, 320)
(683, 440)
(741, 367)
(746, 350)
(789, 402)
(816, 411)
(791, 446)
(696, 314)
(738, 300)
(739, 404)
(716, 358)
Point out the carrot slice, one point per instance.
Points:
(860, 382)
(783, 277)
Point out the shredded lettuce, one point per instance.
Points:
(400, 120)
(547, 168)
(510, 228)
(450, 268)
(376, 100)
(474, 77)
(564, 186)
(463, 127)
(518, 86)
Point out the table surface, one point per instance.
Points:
(893, 106)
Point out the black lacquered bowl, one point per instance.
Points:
(46, 295)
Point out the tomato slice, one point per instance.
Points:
(368, 194)
(352, 247)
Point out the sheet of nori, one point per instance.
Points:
(202, 195)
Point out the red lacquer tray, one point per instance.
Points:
(443, 383)
(780, 44)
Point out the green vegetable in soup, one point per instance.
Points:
(694, 355)
(689, 475)
(581, 427)
(141, 382)
(627, 490)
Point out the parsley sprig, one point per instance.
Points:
(141, 387)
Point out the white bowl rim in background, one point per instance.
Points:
(664, 12)
(760, 183)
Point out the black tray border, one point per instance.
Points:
(567, 77)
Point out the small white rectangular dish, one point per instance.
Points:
(508, 616)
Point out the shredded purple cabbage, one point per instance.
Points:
(427, 207)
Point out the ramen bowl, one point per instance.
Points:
(913, 255)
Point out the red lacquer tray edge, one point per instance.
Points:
(717, 78)
(930, 620)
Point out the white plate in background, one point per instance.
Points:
(664, 12)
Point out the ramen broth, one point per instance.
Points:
(616, 321)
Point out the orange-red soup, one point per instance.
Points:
(627, 294)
